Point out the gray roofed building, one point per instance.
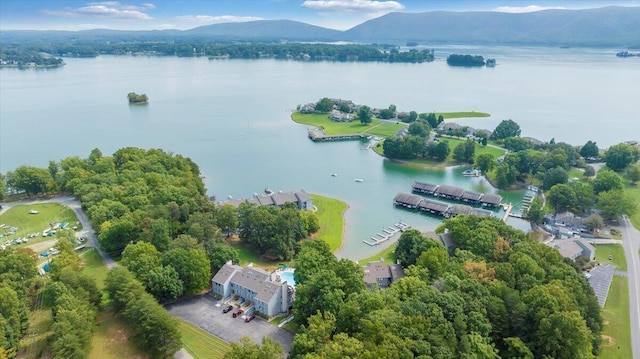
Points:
(481, 212)
(458, 209)
(379, 275)
(267, 296)
(447, 241)
(573, 248)
(407, 200)
(491, 200)
(433, 207)
(450, 192)
(300, 198)
(422, 187)
(471, 197)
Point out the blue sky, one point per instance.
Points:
(186, 14)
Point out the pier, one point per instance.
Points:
(317, 135)
(508, 207)
(390, 233)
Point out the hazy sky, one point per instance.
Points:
(186, 14)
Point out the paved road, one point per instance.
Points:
(631, 245)
(87, 229)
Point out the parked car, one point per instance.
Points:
(250, 318)
(238, 313)
(227, 309)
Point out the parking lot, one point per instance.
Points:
(202, 312)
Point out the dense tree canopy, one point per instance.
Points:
(618, 157)
(589, 149)
(506, 129)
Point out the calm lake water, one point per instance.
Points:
(232, 117)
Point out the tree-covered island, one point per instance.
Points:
(136, 99)
(466, 60)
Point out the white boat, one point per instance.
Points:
(471, 173)
(334, 175)
(359, 180)
(33, 211)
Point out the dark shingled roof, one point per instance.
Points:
(281, 198)
(225, 272)
(433, 205)
(408, 199)
(450, 191)
(397, 272)
(457, 209)
(493, 199)
(375, 270)
(472, 196)
(428, 187)
(481, 212)
(302, 196)
(234, 202)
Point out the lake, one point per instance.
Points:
(232, 117)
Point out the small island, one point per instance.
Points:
(466, 60)
(135, 99)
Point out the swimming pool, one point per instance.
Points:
(287, 276)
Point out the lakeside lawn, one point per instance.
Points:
(616, 334)
(332, 127)
(634, 192)
(19, 216)
(200, 343)
(330, 215)
(461, 114)
(616, 251)
(388, 254)
(453, 142)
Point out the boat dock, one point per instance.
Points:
(390, 233)
(317, 135)
(508, 207)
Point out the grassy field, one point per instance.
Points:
(93, 266)
(616, 334)
(387, 253)
(200, 344)
(576, 172)
(634, 192)
(19, 216)
(40, 322)
(111, 339)
(329, 214)
(332, 127)
(386, 129)
(616, 251)
(462, 114)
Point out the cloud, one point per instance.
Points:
(207, 19)
(105, 9)
(523, 9)
(353, 6)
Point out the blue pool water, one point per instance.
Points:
(288, 277)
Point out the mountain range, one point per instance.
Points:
(603, 27)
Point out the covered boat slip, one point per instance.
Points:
(411, 201)
(457, 194)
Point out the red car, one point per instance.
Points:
(249, 318)
(237, 313)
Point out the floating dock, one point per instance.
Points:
(317, 135)
(391, 232)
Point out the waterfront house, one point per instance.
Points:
(471, 197)
(299, 198)
(378, 275)
(262, 290)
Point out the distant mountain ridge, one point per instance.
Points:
(609, 26)
(602, 27)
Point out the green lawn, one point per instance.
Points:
(110, 339)
(94, 266)
(201, 344)
(462, 114)
(330, 215)
(616, 335)
(634, 192)
(40, 322)
(575, 172)
(335, 128)
(387, 253)
(603, 251)
(386, 129)
(19, 216)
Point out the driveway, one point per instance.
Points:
(202, 312)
